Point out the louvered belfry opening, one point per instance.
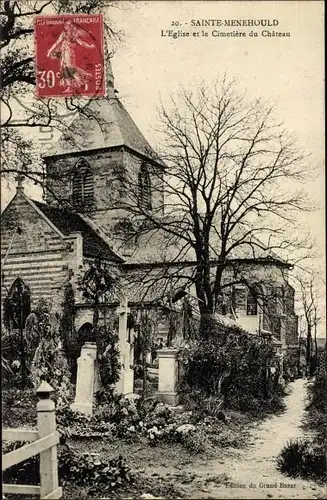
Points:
(144, 188)
(83, 185)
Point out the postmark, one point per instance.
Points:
(69, 56)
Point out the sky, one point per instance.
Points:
(286, 70)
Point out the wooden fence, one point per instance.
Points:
(44, 442)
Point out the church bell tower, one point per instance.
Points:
(102, 160)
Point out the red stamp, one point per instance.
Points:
(69, 55)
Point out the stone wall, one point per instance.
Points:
(39, 255)
(107, 168)
(115, 177)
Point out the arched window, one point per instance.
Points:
(83, 187)
(17, 305)
(245, 300)
(144, 186)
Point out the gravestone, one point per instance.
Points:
(168, 376)
(90, 348)
(85, 384)
(88, 379)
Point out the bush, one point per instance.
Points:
(304, 459)
(318, 389)
(100, 477)
(107, 355)
(196, 441)
(233, 365)
(19, 407)
(88, 470)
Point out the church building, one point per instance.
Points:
(46, 244)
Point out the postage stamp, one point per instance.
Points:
(69, 55)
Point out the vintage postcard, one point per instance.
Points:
(163, 323)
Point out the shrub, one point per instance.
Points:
(75, 424)
(18, 407)
(234, 365)
(318, 389)
(107, 355)
(195, 441)
(88, 470)
(100, 477)
(302, 458)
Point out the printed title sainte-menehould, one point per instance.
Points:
(234, 22)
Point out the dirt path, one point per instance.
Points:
(257, 465)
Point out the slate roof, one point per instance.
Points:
(70, 222)
(108, 124)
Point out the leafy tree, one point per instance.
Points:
(49, 362)
(98, 284)
(66, 326)
(16, 309)
(233, 365)
(144, 326)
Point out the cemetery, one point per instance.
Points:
(150, 343)
(126, 434)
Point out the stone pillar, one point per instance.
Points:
(90, 348)
(125, 385)
(168, 376)
(88, 379)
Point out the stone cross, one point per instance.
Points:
(19, 179)
(126, 379)
(123, 311)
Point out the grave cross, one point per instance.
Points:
(123, 311)
(19, 179)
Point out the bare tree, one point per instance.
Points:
(309, 298)
(232, 176)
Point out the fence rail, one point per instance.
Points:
(19, 435)
(41, 442)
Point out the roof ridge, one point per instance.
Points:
(73, 222)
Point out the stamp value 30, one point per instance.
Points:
(69, 56)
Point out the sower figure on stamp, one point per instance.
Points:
(64, 49)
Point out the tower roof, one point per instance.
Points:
(103, 123)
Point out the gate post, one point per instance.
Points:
(46, 424)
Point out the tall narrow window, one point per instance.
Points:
(17, 305)
(251, 304)
(280, 300)
(239, 299)
(83, 187)
(144, 187)
(244, 301)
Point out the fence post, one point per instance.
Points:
(46, 424)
